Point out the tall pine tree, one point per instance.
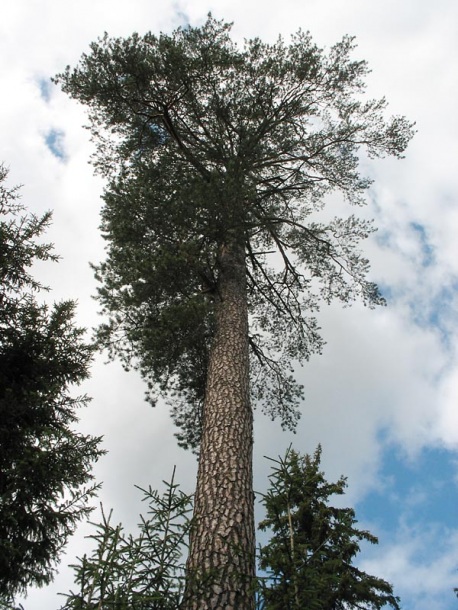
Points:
(218, 161)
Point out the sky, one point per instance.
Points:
(382, 398)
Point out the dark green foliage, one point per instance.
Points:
(309, 557)
(142, 572)
(44, 464)
(203, 144)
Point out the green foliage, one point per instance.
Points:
(44, 464)
(203, 144)
(142, 572)
(309, 557)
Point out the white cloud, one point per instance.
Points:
(447, 422)
(421, 565)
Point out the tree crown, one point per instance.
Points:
(204, 143)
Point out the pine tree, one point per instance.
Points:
(218, 161)
(45, 466)
(309, 556)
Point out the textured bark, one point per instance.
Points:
(221, 563)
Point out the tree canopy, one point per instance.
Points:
(309, 556)
(45, 466)
(205, 143)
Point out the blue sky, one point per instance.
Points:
(420, 489)
(382, 399)
(54, 141)
(417, 502)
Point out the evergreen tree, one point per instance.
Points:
(44, 464)
(218, 160)
(141, 572)
(309, 556)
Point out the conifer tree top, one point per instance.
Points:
(206, 143)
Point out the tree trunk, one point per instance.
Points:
(221, 563)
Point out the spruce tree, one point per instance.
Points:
(45, 465)
(142, 571)
(312, 546)
(218, 160)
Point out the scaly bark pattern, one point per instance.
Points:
(222, 546)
